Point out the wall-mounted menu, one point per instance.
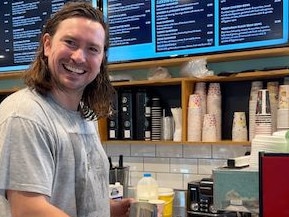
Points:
(152, 29)
(21, 22)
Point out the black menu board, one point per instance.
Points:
(155, 29)
(21, 22)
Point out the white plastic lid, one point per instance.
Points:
(165, 191)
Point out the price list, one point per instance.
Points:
(21, 26)
(129, 22)
(173, 32)
(249, 21)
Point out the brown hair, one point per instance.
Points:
(97, 95)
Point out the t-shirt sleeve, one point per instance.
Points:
(27, 156)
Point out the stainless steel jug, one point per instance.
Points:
(143, 209)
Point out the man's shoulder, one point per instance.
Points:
(21, 103)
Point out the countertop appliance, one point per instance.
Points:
(236, 189)
(200, 199)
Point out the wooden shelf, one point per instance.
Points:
(161, 82)
(12, 75)
(162, 142)
(247, 76)
(211, 58)
(186, 86)
(8, 91)
(222, 57)
(244, 76)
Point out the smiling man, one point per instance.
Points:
(51, 160)
(74, 58)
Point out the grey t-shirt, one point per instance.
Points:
(47, 149)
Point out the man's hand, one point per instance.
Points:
(120, 208)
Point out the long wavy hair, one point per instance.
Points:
(98, 95)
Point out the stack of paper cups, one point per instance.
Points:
(202, 91)
(209, 130)
(239, 129)
(214, 102)
(273, 88)
(255, 87)
(263, 119)
(194, 118)
(283, 108)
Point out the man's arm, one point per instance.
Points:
(27, 204)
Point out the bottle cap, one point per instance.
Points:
(147, 175)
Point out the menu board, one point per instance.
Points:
(153, 29)
(21, 22)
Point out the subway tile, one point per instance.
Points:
(183, 165)
(118, 149)
(173, 165)
(157, 164)
(197, 151)
(206, 166)
(134, 163)
(170, 180)
(228, 151)
(169, 150)
(135, 177)
(147, 150)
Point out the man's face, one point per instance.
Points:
(74, 53)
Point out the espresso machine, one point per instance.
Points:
(200, 201)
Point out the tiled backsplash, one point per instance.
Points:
(173, 165)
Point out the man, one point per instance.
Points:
(51, 160)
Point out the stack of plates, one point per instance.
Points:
(276, 143)
(156, 119)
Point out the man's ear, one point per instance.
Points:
(46, 39)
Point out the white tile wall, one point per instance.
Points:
(173, 165)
